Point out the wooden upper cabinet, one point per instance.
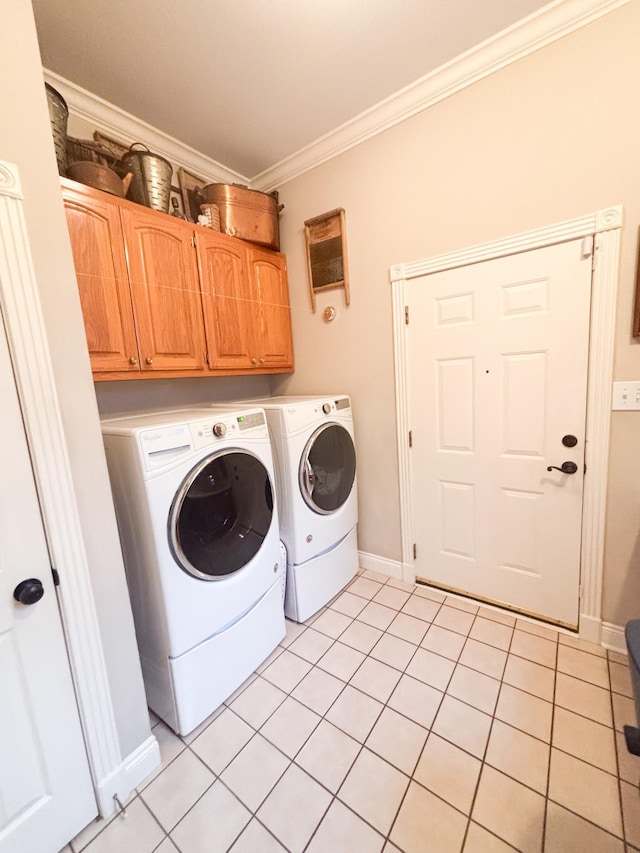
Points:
(268, 274)
(226, 297)
(103, 281)
(162, 297)
(166, 299)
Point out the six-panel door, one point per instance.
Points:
(497, 360)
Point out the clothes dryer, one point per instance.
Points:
(194, 498)
(315, 458)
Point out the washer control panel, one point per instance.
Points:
(224, 426)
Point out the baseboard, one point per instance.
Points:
(612, 637)
(133, 770)
(391, 568)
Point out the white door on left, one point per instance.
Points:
(46, 792)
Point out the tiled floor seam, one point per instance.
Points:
(548, 785)
(483, 760)
(615, 746)
(384, 705)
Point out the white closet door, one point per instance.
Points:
(497, 365)
(46, 792)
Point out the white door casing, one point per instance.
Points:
(46, 791)
(35, 385)
(605, 225)
(497, 359)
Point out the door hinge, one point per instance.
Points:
(206, 358)
(410, 438)
(406, 315)
(415, 551)
(193, 242)
(56, 577)
(587, 246)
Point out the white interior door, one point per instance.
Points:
(497, 367)
(46, 793)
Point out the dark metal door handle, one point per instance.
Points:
(29, 591)
(566, 468)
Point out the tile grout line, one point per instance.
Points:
(615, 747)
(384, 705)
(553, 716)
(483, 760)
(411, 777)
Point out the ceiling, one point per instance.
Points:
(251, 82)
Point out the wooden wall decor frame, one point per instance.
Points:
(636, 307)
(327, 266)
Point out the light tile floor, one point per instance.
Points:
(399, 719)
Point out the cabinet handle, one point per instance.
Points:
(149, 360)
(133, 360)
(254, 361)
(262, 361)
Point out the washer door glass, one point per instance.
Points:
(221, 515)
(327, 469)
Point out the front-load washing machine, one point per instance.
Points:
(194, 498)
(315, 457)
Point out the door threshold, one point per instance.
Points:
(499, 605)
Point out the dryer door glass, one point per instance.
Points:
(221, 515)
(327, 469)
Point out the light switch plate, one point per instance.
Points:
(626, 396)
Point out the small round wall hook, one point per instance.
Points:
(329, 313)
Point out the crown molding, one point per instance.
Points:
(113, 121)
(549, 24)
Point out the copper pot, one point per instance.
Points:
(100, 177)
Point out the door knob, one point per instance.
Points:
(566, 468)
(29, 591)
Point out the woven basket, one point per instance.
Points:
(90, 152)
(58, 116)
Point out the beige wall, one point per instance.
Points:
(552, 137)
(25, 139)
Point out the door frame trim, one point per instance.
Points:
(27, 339)
(605, 227)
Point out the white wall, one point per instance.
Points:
(552, 137)
(25, 139)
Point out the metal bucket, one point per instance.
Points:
(151, 183)
(59, 116)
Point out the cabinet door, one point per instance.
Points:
(103, 282)
(166, 299)
(229, 314)
(268, 272)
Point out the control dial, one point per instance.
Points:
(326, 408)
(219, 429)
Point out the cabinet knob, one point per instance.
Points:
(149, 360)
(254, 361)
(133, 360)
(262, 361)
